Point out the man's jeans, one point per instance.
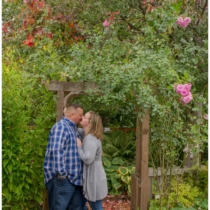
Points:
(63, 195)
(96, 205)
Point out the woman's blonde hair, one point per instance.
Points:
(96, 127)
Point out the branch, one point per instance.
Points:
(205, 5)
(131, 25)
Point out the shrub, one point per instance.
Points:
(26, 117)
(182, 195)
(198, 177)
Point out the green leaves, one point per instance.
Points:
(177, 6)
(118, 175)
(126, 179)
(24, 139)
(106, 162)
(117, 161)
(123, 171)
(117, 185)
(118, 148)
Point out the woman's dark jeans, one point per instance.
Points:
(96, 205)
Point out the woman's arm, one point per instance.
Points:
(88, 151)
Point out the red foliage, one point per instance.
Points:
(35, 5)
(5, 27)
(34, 18)
(116, 205)
(71, 25)
(29, 41)
(111, 17)
(49, 35)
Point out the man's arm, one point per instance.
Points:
(58, 139)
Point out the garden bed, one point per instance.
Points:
(115, 203)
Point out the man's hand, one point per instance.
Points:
(79, 143)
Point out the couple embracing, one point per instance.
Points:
(73, 170)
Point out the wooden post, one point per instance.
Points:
(140, 181)
(135, 185)
(60, 105)
(144, 171)
(45, 200)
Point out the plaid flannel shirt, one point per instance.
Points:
(61, 155)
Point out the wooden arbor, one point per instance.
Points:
(140, 181)
(66, 91)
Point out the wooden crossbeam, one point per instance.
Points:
(70, 86)
(66, 86)
(73, 89)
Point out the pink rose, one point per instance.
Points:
(105, 23)
(179, 87)
(188, 87)
(183, 22)
(179, 92)
(188, 98)
(187, 20)
(184, 92)
(179, 20)
(205, 116)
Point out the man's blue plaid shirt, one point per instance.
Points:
(61, 156)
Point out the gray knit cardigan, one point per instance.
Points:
(94, 176)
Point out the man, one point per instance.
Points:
(62, 164)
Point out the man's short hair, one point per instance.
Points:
(75, 106)
(72, 107)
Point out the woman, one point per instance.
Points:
(94, 177)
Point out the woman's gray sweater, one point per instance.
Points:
(94, 176)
